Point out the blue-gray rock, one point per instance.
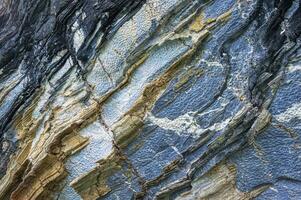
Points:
(150, 99)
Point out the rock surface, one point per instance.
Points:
(150, 99)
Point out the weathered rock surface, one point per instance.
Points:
(154, 99)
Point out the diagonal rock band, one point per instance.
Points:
(150, 99)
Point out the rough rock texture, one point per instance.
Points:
(154, 99)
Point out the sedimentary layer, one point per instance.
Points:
(150, 99)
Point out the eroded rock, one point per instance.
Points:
(154, 99)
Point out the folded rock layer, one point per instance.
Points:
(150, 99)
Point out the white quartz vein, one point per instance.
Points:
(293, 112)
(185, 124)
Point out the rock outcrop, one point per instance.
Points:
(150, 99)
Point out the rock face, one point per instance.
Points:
(154, 99)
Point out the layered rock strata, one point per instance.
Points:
(154, 99)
